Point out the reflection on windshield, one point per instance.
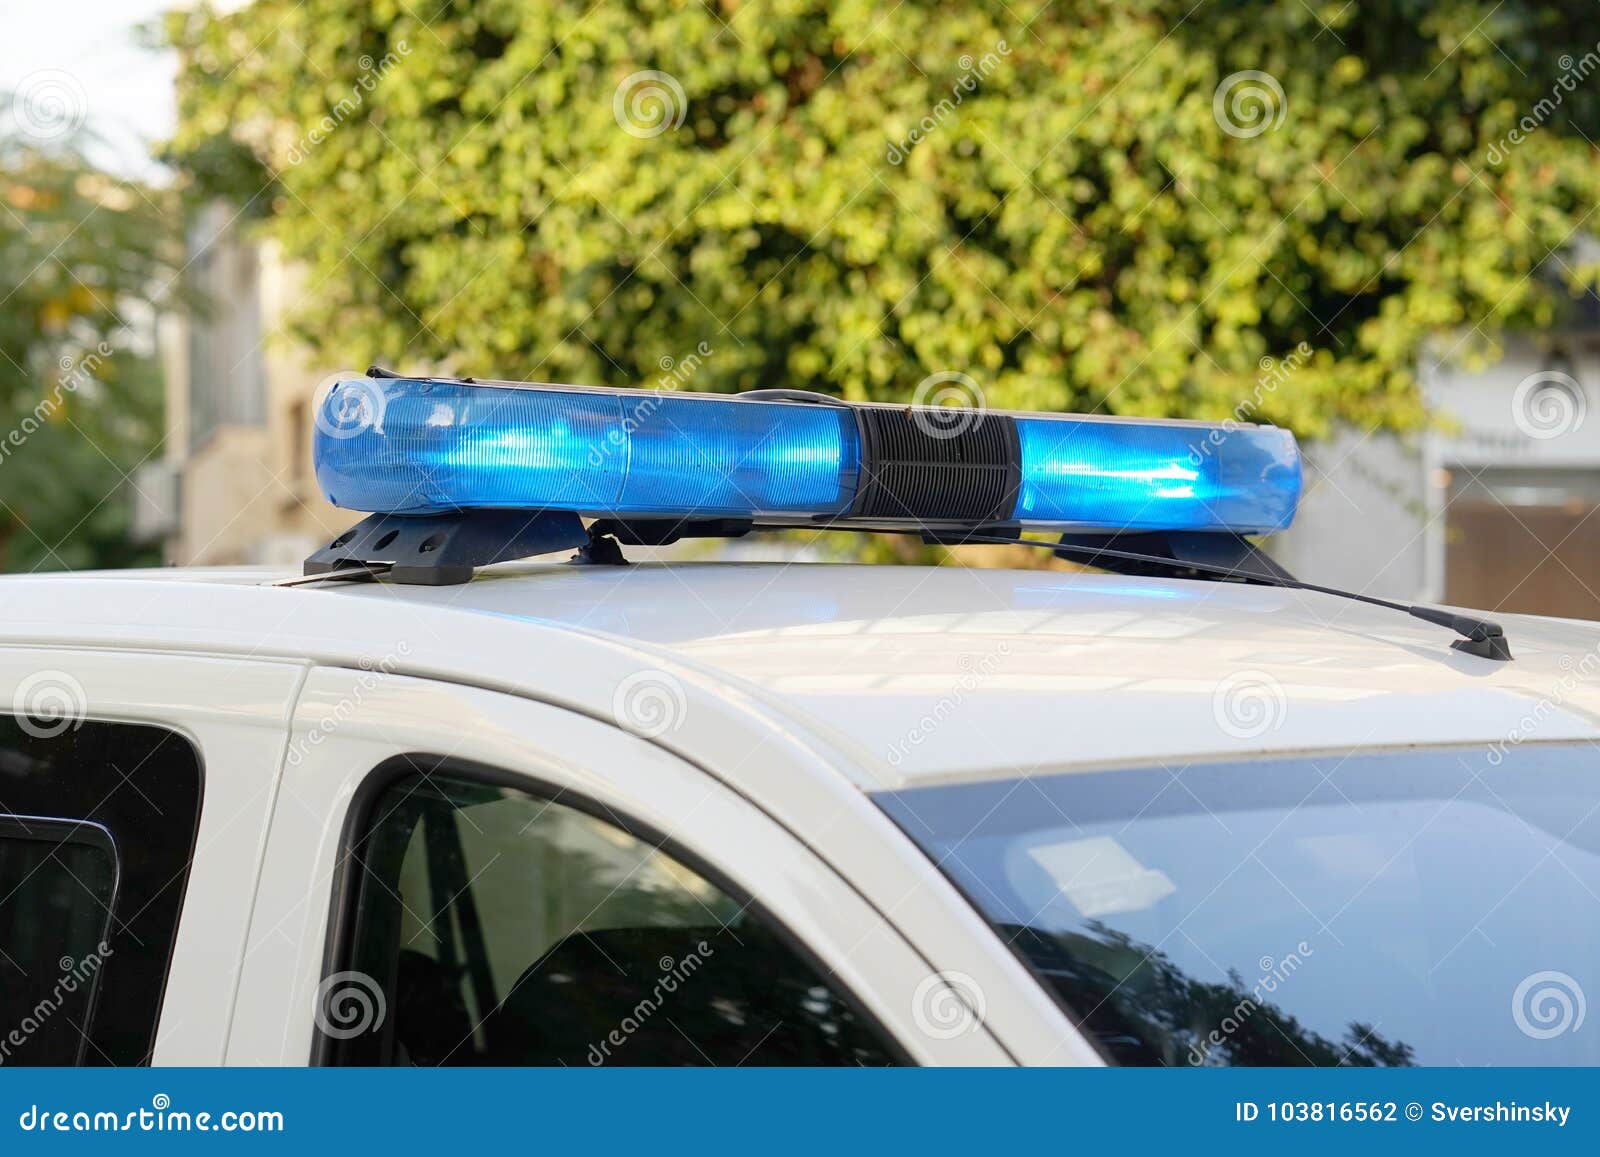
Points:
(1436, 907)
(1142, 1009)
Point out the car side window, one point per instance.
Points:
(56, 885)
(489, 926)
(97, 828)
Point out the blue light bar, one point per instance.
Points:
(1157, 475)
(403, 446)
(410, 446)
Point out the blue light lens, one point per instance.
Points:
(404, 446)
(1157, 476)
(399, 445)
(714, 457)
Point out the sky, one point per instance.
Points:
(85, 58)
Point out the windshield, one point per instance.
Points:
(1426, 907)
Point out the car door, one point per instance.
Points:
(459, 876)
(135, 791)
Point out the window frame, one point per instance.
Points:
(348, 874)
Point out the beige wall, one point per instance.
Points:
(247, 493)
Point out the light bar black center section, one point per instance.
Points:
(937, 464)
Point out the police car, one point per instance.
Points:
(483, 785)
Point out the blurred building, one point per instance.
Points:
(235, 483)
(1495, 509)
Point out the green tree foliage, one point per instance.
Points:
(857, 195)
(80, 390)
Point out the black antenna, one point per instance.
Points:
(1173, 554)
(1481, 637)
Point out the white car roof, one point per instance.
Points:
(903, 675)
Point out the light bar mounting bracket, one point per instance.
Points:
(444, 549)
(1197, 554)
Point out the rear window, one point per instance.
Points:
(1433, 907)
(56, 886)
(97, 829)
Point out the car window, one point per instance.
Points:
(56, 884)
(1430, 907)
(97, 828)
(491, 926)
